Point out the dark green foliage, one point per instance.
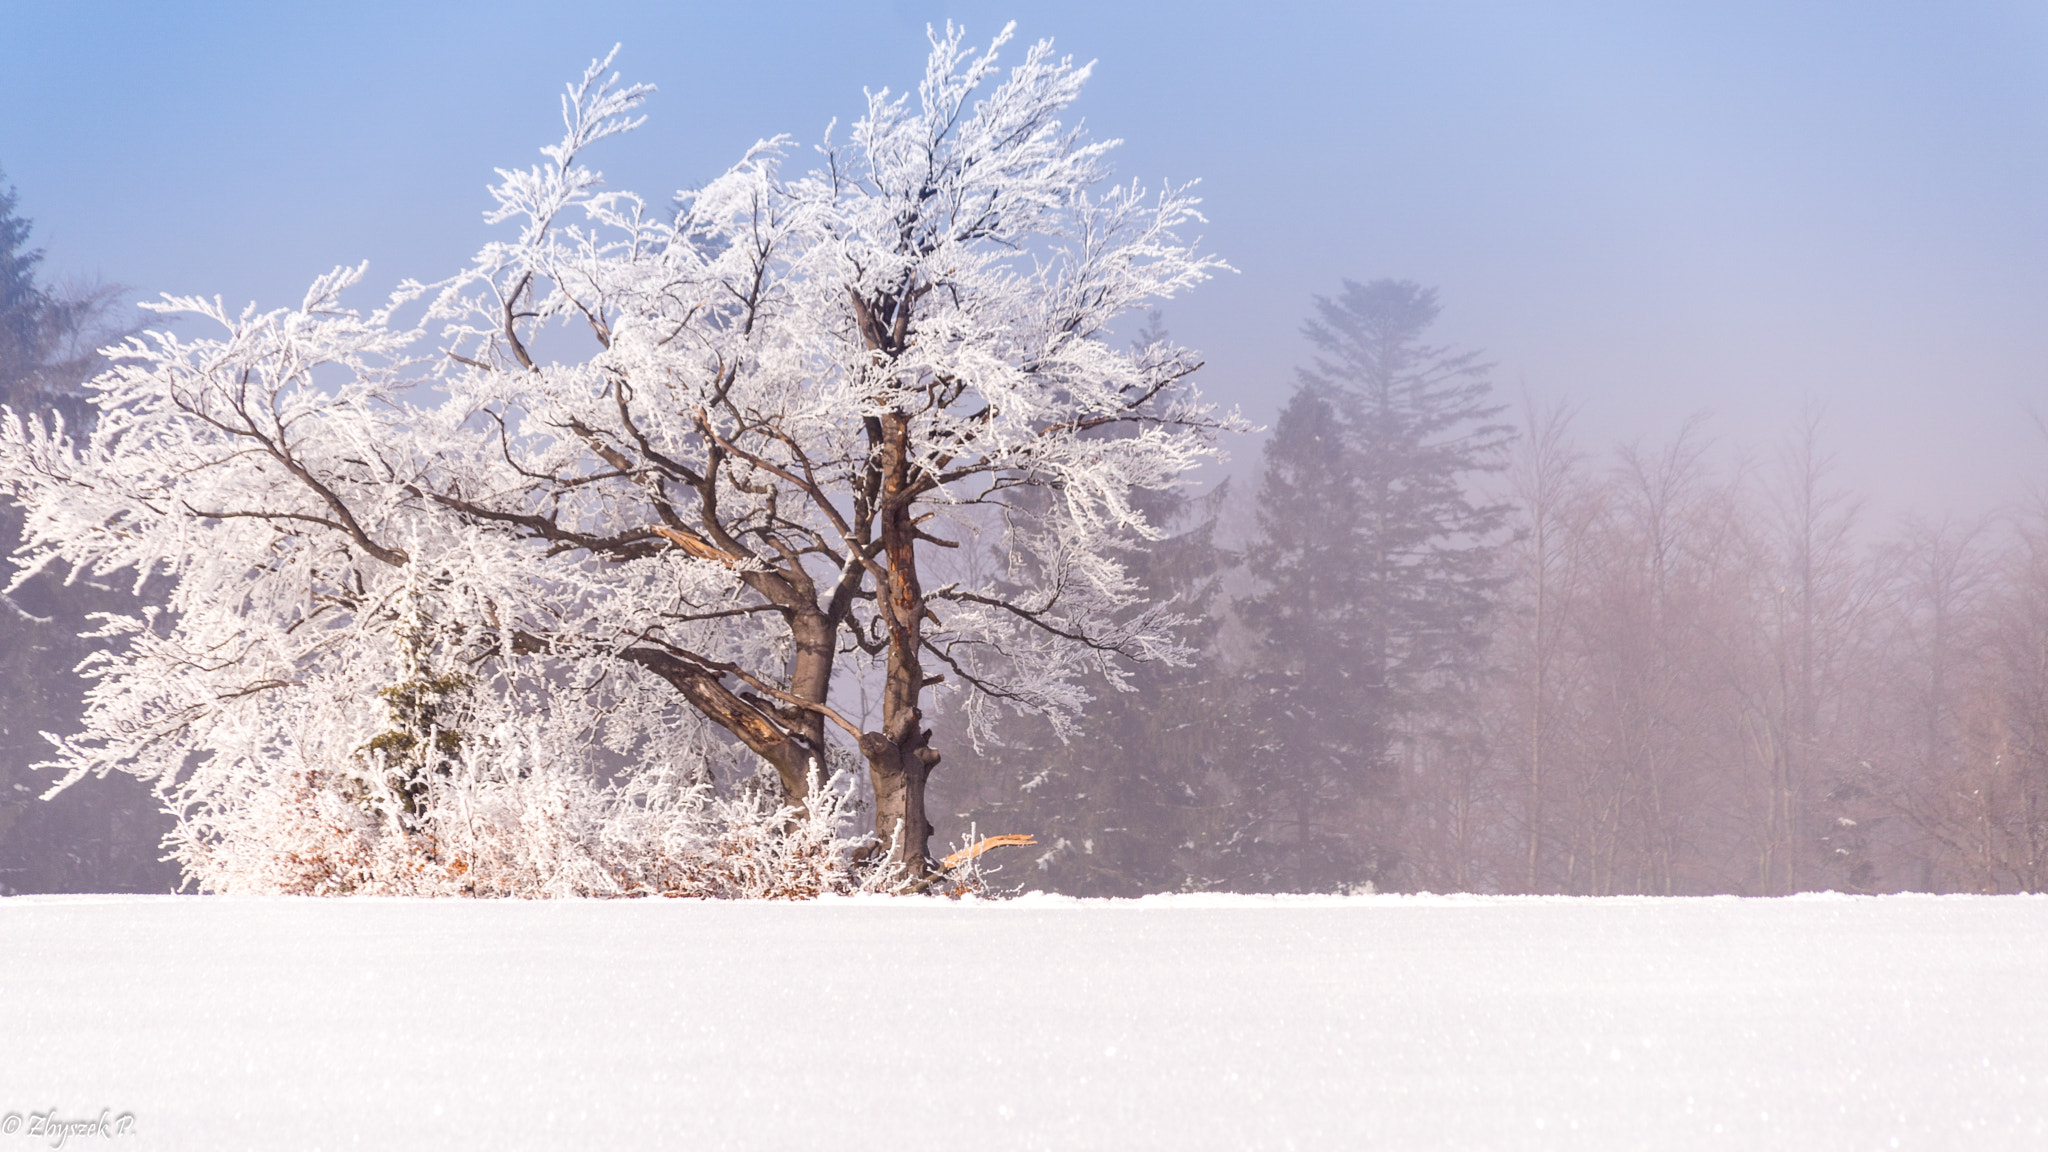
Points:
(416, 707)
(422, 736)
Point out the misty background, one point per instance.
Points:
(1827, 218)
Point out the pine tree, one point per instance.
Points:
(1373, 570)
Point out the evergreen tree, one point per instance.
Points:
(22, 303)
(1373, 569)
(104, 834)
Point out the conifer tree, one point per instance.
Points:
(1373, 567)
(103, 836)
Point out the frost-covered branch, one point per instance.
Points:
(770, 411)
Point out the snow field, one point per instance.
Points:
(1171, 1022)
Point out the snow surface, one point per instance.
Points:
(1171, 1022)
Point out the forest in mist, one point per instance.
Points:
(1448, 646)
(1440, 643)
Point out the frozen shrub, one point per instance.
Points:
(534, 830)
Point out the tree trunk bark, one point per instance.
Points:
(899, 775)
(900, 757)
(793, 745)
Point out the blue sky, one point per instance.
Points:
(1650, 209)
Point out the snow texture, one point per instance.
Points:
(1192, 1022)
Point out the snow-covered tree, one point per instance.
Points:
(1126, 803)
(640, 487)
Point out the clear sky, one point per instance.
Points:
(1650, 209)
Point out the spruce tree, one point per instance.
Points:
(1373, 568)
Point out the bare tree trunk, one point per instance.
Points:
(1547, 481)
(900, 758)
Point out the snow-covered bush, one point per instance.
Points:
(543, 832)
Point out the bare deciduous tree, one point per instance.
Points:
(776, 403)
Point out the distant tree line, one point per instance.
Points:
(1444, 657)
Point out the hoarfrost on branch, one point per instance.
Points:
(490, 578)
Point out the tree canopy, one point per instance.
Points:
(639, 491)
